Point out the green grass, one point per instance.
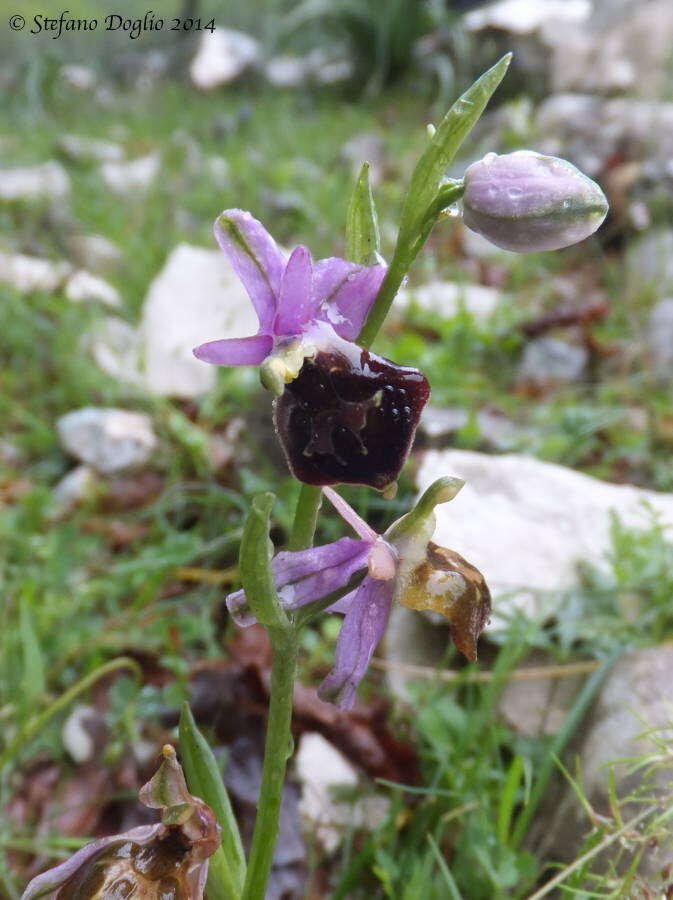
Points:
(71, 601)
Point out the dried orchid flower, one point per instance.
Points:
(166, 861)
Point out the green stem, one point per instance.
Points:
(276, 753)
(305, 517)
(406, 250)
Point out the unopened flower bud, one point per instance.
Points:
(524, 201)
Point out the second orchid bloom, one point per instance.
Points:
(342, 413)
(403, 565)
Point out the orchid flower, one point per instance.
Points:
(166, 861)
(343, 414)
(403, 565)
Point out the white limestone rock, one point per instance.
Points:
(107, 439)
(195, 298)
(132, 177)
(46, 181)
(85, 149)
(32, 273)
(660, 340)
(222, 57)
(526, 524)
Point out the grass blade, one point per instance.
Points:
(205, 780)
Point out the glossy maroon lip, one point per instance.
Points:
(350, 421)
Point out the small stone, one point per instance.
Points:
(649, 262)
(366, 147)
(31, 273)
(78, 77)
(222, 57)
(443, 422)
(448, 298)
(660, 339)
(109, 440)
(47, 181)
(78, 486)
(322, 770)
(95, 252)
(84, 149)
(133, 176)
(548, 362)
(76, 734)
(286, 71)
(83, 287)
(115, 347)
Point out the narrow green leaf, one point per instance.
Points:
(33, 682)
(452, 890)
(444, 145)
(508, 798)
(227, 867)
(255, 566)
(363, 239)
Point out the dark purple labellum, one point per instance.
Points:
(350, 420)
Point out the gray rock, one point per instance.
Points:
(83, 287)
(527, 524)
(634, 699)
(222, 57)
(660, 339)
(109, 440)
(84, 149)
(47, 181)
(133, 177)
(649, 262)
(447, 298)
(115, 347)
(366, 147)
(548, 362)
(31, 273)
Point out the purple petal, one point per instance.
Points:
(343, 604)
(362, 629)
(247, 351)
(294, 303)
(347, 513)
(311, 573)
(256, 259)
(343, 293)
(322, 583)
